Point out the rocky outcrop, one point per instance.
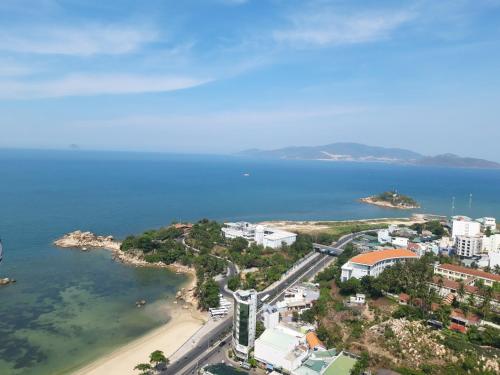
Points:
(87, 240)
(7, 281)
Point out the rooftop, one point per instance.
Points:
(341, 366)
(278, 339)
(313, 341)
(374, 257)
(279, 234)
(470, 271)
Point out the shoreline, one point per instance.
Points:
(372, 201)
(88, 241)
(183, 323)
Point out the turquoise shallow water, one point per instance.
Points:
(69, 307)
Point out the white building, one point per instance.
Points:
(261, 235)
(273, 238)
(384, 236)
(464, 226)
(468, 246)
(494, 259)
(491, 243)
(299, 298)
(373, 263)
(244, 322)
(270, 316)
(400, 242)
(359, 299)
(488, 222)
(240, 229)
(281, 348)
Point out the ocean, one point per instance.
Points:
(69, 307)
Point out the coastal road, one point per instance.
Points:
(220, 338)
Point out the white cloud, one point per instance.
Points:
(83, 85)
(327, 27)
(77, 41)
(9, 68)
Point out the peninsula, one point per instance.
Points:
(392, 199)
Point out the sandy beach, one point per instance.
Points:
(184, 321)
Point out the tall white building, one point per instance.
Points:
(468, 246)
(464, 226)
(261, 235)
(244, 322)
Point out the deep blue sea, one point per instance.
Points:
(69, 307)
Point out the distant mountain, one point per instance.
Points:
(337, 151)
(452, 160)
(362, 153)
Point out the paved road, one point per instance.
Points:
(220, 337)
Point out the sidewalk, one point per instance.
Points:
(193, 340)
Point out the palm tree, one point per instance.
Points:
(461, 290)
(144, 368)
(497, 269)
(471, 300)
(158, 358)
(487, 295)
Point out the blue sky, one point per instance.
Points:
(219, 76)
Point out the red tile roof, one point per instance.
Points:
(374, 257)
(470, 271)
(404, 297)
(313, 341)
(471, 318)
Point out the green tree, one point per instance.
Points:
(208, 294)
(361, 364)
(350, 286)
(497, 269)
(259, 329)
(234, 282)
(158, 359)
(461, 290)
(144, 368)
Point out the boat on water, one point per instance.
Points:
(246, 174)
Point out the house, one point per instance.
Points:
(400, 242)
(449, 289)
(327, 363)
(299, 297)
(404, 299)
(459, 321)
(317, 363)
(373, 263)
(359, 299)
(314, 342)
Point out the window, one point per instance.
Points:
(244, 320)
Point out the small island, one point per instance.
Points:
(392, 199)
